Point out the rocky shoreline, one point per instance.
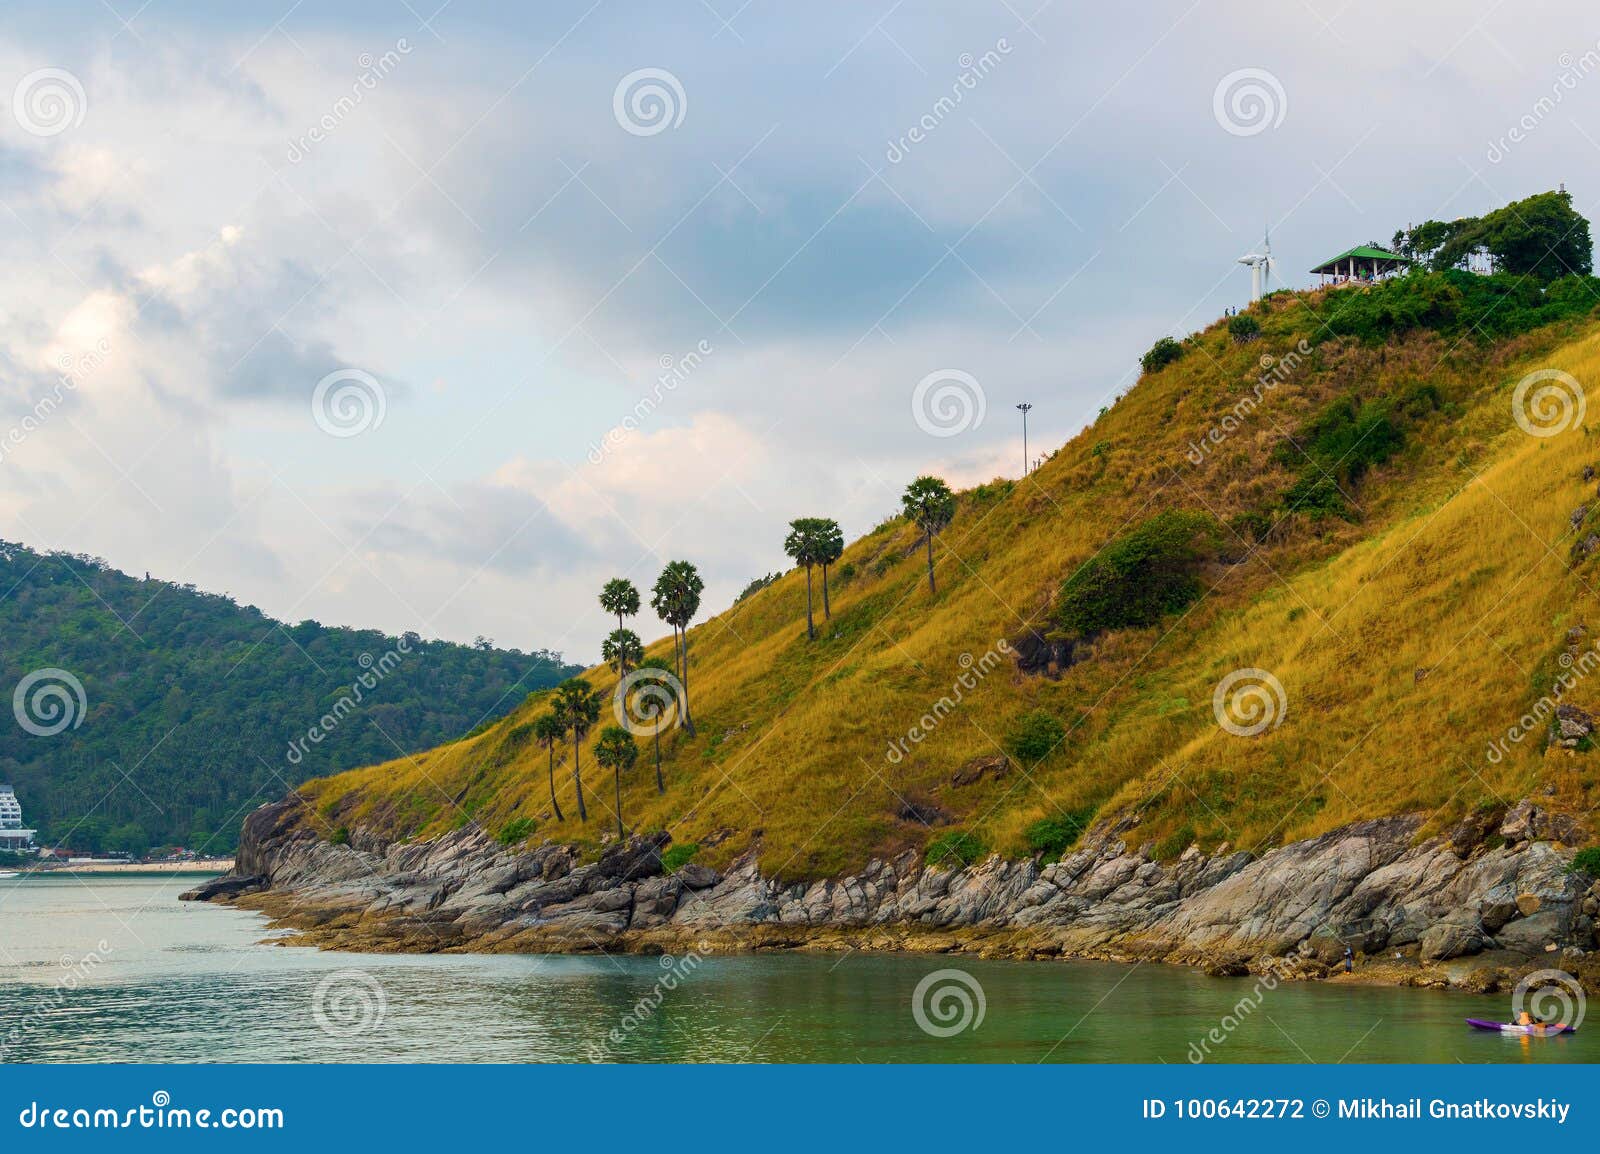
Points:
(1494, 899)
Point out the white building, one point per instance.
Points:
(12, 835)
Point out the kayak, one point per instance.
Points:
(1546, 1030)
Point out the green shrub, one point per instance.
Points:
(1486, 308)
(515, 830)
(1588, 861)
(1161, 354)
(1140, 577)
(954, 849)
(1243, 329)
(1033, 735)
(1054, 836)
(1334, 449)
(847, 572)
(678, 856)
(341, 836)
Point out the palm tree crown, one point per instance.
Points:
(930, 506)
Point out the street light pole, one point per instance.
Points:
(1024, 407)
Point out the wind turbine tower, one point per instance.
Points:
(1260, 267)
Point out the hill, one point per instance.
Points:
(1329, 560)
(152, 714)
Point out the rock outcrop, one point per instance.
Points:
(1374, 887)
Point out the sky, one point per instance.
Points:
(411, 316)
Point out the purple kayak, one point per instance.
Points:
(1541, 1030)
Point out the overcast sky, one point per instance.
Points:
(363, 308)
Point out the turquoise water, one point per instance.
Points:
(116, 969)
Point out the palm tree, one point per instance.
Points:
(577, 706)
(622, 649)
(831, 540)
(676, 600)
(930, 506)
(617, 751)
(652, 707)
(804, 545)
(549, 732)
(621, 598)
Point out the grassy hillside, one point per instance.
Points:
(1370, 525)
(194, 709)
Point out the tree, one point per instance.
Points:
(652, 707)
(1162, 353)
(616, 750)
(622, 649)
(930, 506)
(621, 598)
(549, 732)
(676, 600)
(804, 544)
(578, 708)
(832, 544)
(1542, 237)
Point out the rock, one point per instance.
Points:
(923, 813)
(1518, 823)
(992, 765)
(697, 877)
(1578, 515)
(1572, 724)
(1588, 472)
(1534, 934)
(1528, 904)
(227, 886)
(1470, 833)
(1450, 940)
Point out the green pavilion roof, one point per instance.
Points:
(1361, 252)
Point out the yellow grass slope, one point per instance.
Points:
(1406, 641)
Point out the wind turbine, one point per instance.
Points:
(1260, 267)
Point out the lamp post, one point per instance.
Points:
(1024, 407)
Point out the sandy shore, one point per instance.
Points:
(155, 868)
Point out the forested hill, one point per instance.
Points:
(194, 708)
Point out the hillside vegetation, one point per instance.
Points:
(1339, 496)
(195, 709)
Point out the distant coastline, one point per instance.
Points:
(198, 866)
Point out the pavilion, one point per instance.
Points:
(1364, 262)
